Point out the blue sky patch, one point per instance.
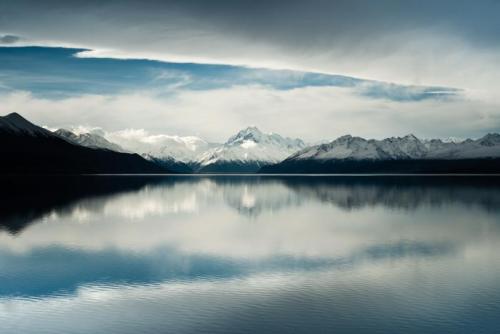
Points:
(57, 73)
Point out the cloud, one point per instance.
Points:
(448, 43)
(312, 113)
(80, 129)
(8, 39)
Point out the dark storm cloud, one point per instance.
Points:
(303, 22)
(308, 23)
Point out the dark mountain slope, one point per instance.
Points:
(28, 149)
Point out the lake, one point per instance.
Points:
(250, 254)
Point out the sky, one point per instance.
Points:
(310, 69)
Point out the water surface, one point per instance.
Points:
(250, 254)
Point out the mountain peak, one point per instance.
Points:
(250, 130)
(411, 137)
(15, 123)
(13, 115)
(16, 119)
(349, 139)
(249, 133)
(250, 147)
(491, 135)
(344, 138)
(66, 134)
(490, 139)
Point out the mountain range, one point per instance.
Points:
(407, 154)
(30, 149)
(245, 152)
(159, 156)
(35, 149)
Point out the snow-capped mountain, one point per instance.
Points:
(485, 147)
(401, 154)
(357, 148)
(92, 140)
(247, 151)
(176, 153)
(397, 148)
(184, 149)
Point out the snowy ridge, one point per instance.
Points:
(184, 149)
(247, 150)
(92, 140)
(399, 148)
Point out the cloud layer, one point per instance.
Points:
(312, 113)
(419, 42)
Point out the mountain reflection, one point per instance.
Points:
(31, 199)
(400, 192)
(24, 200)
(105, 244)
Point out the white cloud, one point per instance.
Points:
(312, 113)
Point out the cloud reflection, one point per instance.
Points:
(172, 251)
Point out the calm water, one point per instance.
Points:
(250, 255)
